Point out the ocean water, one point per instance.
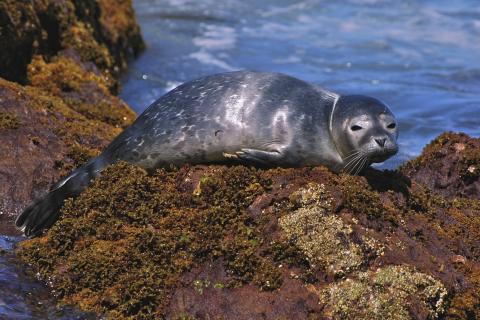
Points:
(420, 57)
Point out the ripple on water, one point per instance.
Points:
(23, 298)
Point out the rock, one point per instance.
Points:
(66, 57)
(43, 136)
(101, 31)
(245, 243)
(448, 165)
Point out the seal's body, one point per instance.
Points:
(265, 119)
(285, 120)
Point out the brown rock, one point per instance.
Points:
(101, 31)
(50, 137)
(242, 243)
(70, 54)
(449, 165)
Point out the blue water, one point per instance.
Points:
(24, 298)
(421, 57)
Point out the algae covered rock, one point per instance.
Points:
(67, 56)
(102, 32)
(449, 165)
(43, 138)
(386, 293)
(245, 243)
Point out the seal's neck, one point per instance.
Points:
(335, 106)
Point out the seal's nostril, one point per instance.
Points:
(381, 142)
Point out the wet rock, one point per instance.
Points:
(245, 243)
(101, 31)
(448, 165)
(66, 57)
(43, 137)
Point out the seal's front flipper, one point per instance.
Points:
(253, 156)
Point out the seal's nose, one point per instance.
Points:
(381, 142)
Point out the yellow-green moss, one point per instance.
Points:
(466, 304)
(423, 200)
(101, 32)
(430, 152)
(82, 90)
(385, 294)
(359, 196)
(124, 242)
(469, 165)
(9, 121)
(321, 235)
(80, 37)
(80, 154)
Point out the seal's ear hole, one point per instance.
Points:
(392, 125)
(355, 128)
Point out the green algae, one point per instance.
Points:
(82, 90)
(360, 198)
(321, 235)
(9, 121)
(101, 32)
(385, 294)
(131, 235)
(430, 152)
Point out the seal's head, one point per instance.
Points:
(364, 131)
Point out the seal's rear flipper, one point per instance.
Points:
(41, 214)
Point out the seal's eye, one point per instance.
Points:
(392, 125)
(355, 128)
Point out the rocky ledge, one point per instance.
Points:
(218, 242)
(59, 63)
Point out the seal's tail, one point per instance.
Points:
(43, 212)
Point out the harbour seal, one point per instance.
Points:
(247, 117)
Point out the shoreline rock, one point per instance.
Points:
(66, 57)
(239, 242)
(101, 31)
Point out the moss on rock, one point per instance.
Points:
(9, 121)
(65, 112)
(101, 32)
(386, 293)
(449, 165)
(132, 235)
(83, 90)
(292, 243)
(321, 235)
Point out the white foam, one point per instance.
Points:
(216, 38)
(208, 58)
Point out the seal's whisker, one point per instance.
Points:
(349, 160)
(361, 167)
(352, 154)
(349, 163)
(350, 166)
(357, 163)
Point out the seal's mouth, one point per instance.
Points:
(380, 155)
